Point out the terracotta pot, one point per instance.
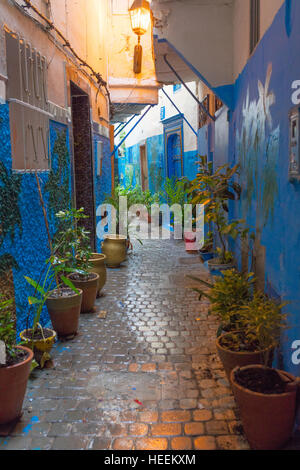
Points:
(64, 313)
(98, 266)
(13, 383)
(89, 292)
(268, 420)
(114, 247)
(232, 359)
(213, 265)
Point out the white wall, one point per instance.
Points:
(151, 125)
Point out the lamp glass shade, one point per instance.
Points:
(140, 16)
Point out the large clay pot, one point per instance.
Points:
(89, 291)
(114, 247)
(98, 266)
(13, 383)
(64, 313)
(232, 359)
(268, 420)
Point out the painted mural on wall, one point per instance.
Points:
(258, 151)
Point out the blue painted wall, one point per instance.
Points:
(102, 183)
(29, 247)
(259, 140)
(129, 165)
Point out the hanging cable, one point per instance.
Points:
(51, 26)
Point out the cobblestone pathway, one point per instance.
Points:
(146, 377)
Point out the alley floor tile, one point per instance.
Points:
(145, 377)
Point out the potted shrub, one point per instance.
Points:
(15, 366)
(227, 294)
(266, 397)
(74, 253)
(257, 334)
(214, 190)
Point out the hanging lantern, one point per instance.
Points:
(140, 16)
(140, 19)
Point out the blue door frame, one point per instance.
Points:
(174, 146)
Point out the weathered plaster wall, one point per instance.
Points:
(241, 28)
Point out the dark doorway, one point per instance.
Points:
(83, 157)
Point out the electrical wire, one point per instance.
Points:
(66, 44)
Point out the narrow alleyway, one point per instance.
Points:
(144, 377)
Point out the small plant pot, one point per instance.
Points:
(233, 359)
(41, 347)
(190, 240)
(268, 420)
(64, 312)
(89, 291)
(98, 266)
(13, 383)
(217, 268)
(206, 256)
(115, 248)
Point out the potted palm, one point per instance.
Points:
(266, 397)
(15, 366)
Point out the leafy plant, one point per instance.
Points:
(214, 190)
(72, 252)
(10, 216)
(260, 323)
(227, 294)
(7, 328)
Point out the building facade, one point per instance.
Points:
(57, 63)
(164, 144)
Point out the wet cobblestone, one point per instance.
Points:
(146, 377)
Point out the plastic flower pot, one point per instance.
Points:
(268, 419)
(42, 346)
(13, 383)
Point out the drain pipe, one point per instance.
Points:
(187, 88)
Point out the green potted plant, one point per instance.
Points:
(49, 286)
(256, 336)
(214, 190)
(15, 366)
(73, 254)
(227, 294)
(266, 397)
